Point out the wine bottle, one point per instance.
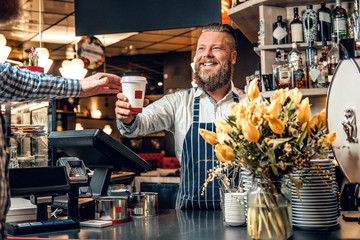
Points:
(296, 28)
(310, 24)
(280, 31)
(333, 57)
(324, 23)
(339, 21)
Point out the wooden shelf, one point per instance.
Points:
(245, 16)
(97, 119)
(310, 92)
(300, 46)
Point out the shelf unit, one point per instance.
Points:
(250, 15)
(309, 92)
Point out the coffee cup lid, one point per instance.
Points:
(127, 79)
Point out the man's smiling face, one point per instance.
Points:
(213, 60)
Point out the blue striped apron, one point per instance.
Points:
(197, 158)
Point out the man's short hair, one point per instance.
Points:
(218, 27)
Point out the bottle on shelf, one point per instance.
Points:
(324, 23)
(294, 55)
(297, 69)
(317, 76)
(274, 67)
(280, 31)
(333, 57)
(310, 61)
(310, 24)
(282, 72)
(339, 21)
(323, 63)
(296, 27)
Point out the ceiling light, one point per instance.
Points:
(44, 60)
(73, 69)
(4, 50)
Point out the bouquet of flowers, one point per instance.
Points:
(270, 139)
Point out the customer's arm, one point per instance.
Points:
(23, 85)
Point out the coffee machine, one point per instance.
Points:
(343, 116)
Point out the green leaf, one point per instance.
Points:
(274, 143)
(302, 137)
(272, 158)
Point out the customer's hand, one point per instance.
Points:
(122, 108)
(100, 83)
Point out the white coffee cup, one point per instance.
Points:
(133, 87)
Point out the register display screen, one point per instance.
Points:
(97, 149)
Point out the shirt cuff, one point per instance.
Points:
(127, 129)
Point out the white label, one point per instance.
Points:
(284, 76)
(314, 73)
(324, 17)
(297, 33)
(279, 33)
(339, 25)
(138, 211)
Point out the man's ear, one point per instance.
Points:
(233, 57)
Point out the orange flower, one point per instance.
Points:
(276, 125)
(314, 122)
(224, 153)
(222, 127)
(322, 118)
(251, 133)
(253, 91)
(209, 136)
(329, 139)
(303, 111)
(274, 108)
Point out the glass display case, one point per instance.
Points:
(28, 126)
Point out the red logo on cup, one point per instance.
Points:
(138, 94)
(118, 209)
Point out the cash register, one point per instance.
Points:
(91, 148)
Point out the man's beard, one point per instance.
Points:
(9, 10)
(215, 80)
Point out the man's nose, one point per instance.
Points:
(208, 53)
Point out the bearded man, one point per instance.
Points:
(184, 112)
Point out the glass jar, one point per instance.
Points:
(233, 207)
(269, 210)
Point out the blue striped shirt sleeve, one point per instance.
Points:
(22, 85)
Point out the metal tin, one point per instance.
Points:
(144, 204)
(111, 208)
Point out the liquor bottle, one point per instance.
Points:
(333, 57)
(310, 24)
(321, 79)
(339, 21)
(324, 23)
(317, 77)
(294, 55)
(323, 62)
(298, 75)
(274, 67)
(310, 60)
(280, 31)
(296, 28)
(283, 72)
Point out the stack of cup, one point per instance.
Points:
(234, 209)
(133, 87)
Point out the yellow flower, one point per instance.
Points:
(251, 133)
(209, 136)
(276, 125)
(322, 118)
(314, 122)
(224, 153)
(303, 111)
(274, 108)
(222, 127)
(253, 91)
(329, 139)
(295, 95)
(281, 95)
(238, 110)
